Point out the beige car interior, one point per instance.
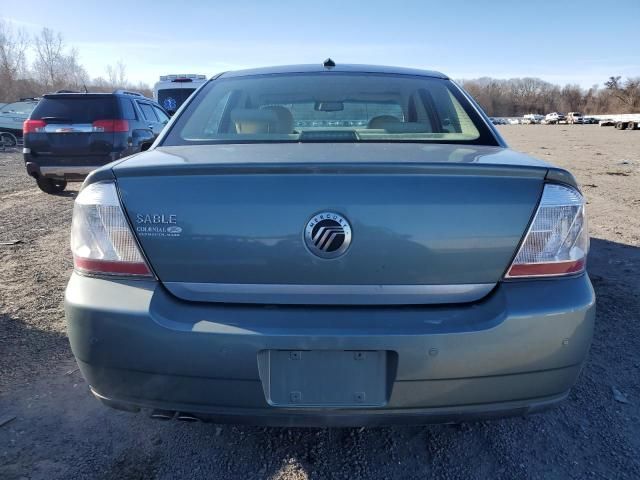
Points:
(270, 119)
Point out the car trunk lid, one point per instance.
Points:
(440, 226)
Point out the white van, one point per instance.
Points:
(172, 90)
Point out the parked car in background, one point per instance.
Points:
(70, 134)
(173, 90)
(554, 118)
(499, 120)
(13, 115)
(514, 121)
(330, 245)
(589, 120)
(532, 118)
(574, 118)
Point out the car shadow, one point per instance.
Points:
(612, 262)
(69, 193)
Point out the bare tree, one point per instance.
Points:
(518, 96)
(627, 93)
(74, 74)
(49, 52)
(55, 67)
(572, 98)
(513, 97)
(117, 75)
(13, 44)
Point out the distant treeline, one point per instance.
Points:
(519, 96)
(55, 67)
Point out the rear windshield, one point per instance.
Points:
(172, 98)
(76, 109)
(329, 107)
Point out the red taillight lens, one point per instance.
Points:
(101, 240)
(109, 267)
(108, 126)
(33, 126)
(557, 241)
(550, 268)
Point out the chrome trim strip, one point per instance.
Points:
(66, 170)
(329, 294)
(70, 128)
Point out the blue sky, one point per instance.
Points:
(567, 41)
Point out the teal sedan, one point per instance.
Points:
(330, 245)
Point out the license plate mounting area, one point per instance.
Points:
(324, 378)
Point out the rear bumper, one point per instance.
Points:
(517, 351)
(72, 168)
(341, 418)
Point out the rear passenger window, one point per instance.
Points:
(147, 111)
(128, 112)
(161, 115)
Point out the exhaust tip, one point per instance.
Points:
(187, 417)
(162, 414)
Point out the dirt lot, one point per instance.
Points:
(57, 430)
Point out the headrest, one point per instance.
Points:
(249, 121)
(285, 118)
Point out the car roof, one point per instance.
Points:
(97, 95)
(350, 68)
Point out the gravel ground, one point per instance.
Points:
(56, 430)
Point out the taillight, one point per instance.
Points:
(109, 126)
(101, 240)
(557, 241)
(33, 126)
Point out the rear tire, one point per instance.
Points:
(51, 186)
(631, 126)
(8, 140)
(621, 126)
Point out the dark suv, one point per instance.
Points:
(70, 134)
